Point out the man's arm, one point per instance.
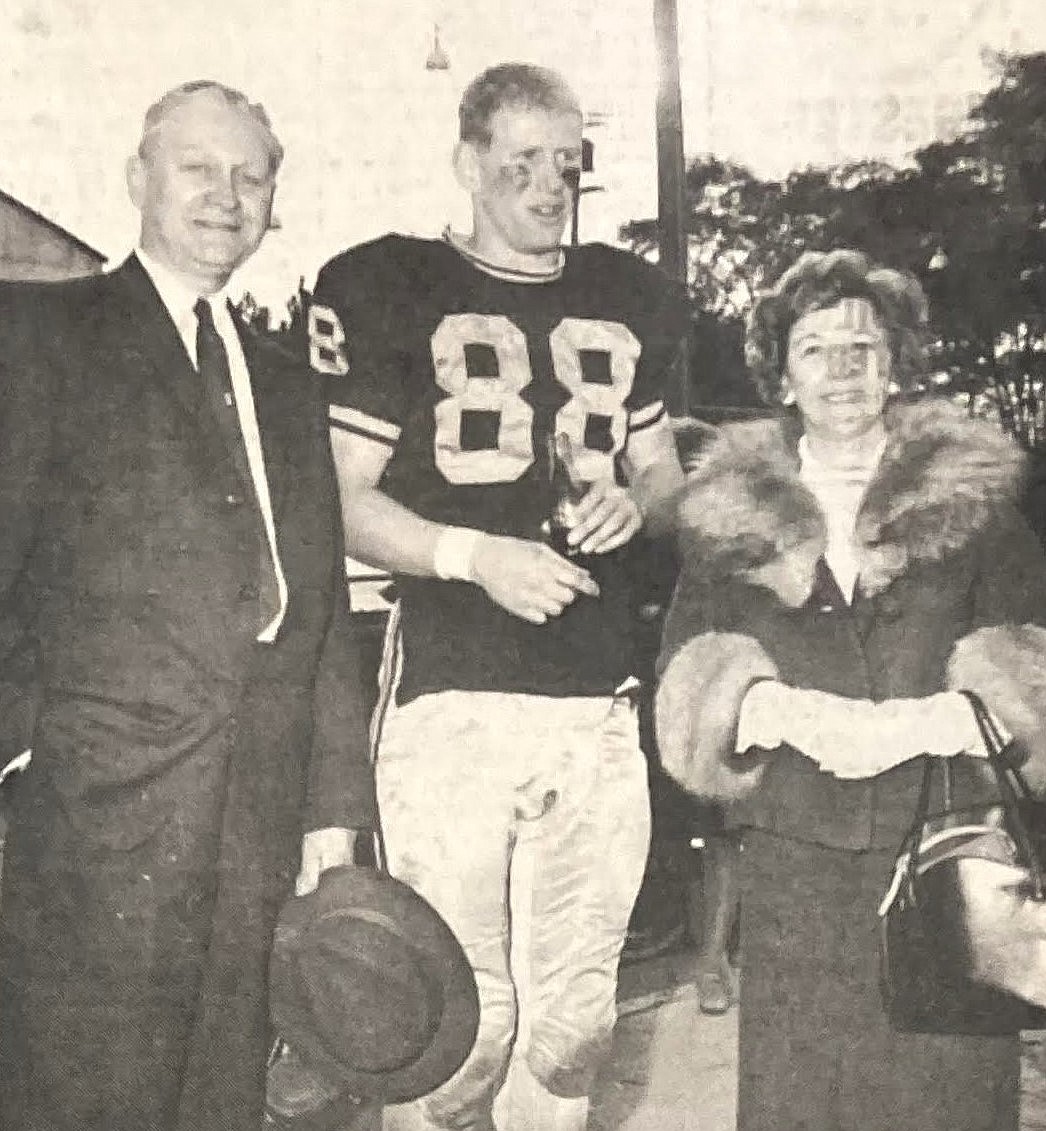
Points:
(654, 474)
(30, 390)
(341, 802)
(528, 579)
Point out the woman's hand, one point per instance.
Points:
(816, 723)
(883, 735)
(857, 738)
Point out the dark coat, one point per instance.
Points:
(158, 828)
(951, 594)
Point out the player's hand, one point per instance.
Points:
(322, 849)
(528, 579)
(605, 517)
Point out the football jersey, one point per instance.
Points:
(466, 375)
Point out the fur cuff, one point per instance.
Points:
(696, 711)
(1006, 666)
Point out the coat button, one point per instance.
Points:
(650, 611)
(889, 608)
(248, 592)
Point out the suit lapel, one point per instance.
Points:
(156, 348)
(153, 342)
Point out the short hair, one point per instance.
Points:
(511, 85)
(184, 92)
(819, 279)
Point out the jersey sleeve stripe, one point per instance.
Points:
(373, 427)
(646, 416)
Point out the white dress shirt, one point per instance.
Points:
(179, 301)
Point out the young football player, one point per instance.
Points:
(507, 754)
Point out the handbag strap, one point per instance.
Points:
(922, 805)
(913, 837)
(996, 745)
(1011, 797)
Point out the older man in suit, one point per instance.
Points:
(172, 560)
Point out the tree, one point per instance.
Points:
(968, 218)
(291, 330)
(990, 292)
(744, 232)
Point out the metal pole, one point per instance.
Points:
(670, 161)
(671, 170)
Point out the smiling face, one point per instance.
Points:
(204, 188)
(838, 370)
(520, 184)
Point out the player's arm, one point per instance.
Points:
(526, 578)
(378, 530)
(654, 473)
(610, 513)
(366, 405)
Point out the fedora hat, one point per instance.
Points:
(370, 987)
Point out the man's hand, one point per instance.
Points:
(605, 517)
(528, 579)
(322, 849)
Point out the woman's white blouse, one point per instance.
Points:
(839, 491)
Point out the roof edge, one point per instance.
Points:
(53, 225)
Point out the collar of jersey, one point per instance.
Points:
(509, 274)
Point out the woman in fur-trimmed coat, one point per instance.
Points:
(846, 567)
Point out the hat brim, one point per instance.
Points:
(346, 890)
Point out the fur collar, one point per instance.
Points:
(942, 479)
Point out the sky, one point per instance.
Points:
(775, 84)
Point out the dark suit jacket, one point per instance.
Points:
(158, 828)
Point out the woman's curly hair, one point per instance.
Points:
(819, 279)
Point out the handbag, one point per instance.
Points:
(962, 942)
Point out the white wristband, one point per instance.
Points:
(452, 559)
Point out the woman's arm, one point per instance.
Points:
(1003, 656)
(697, 709)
